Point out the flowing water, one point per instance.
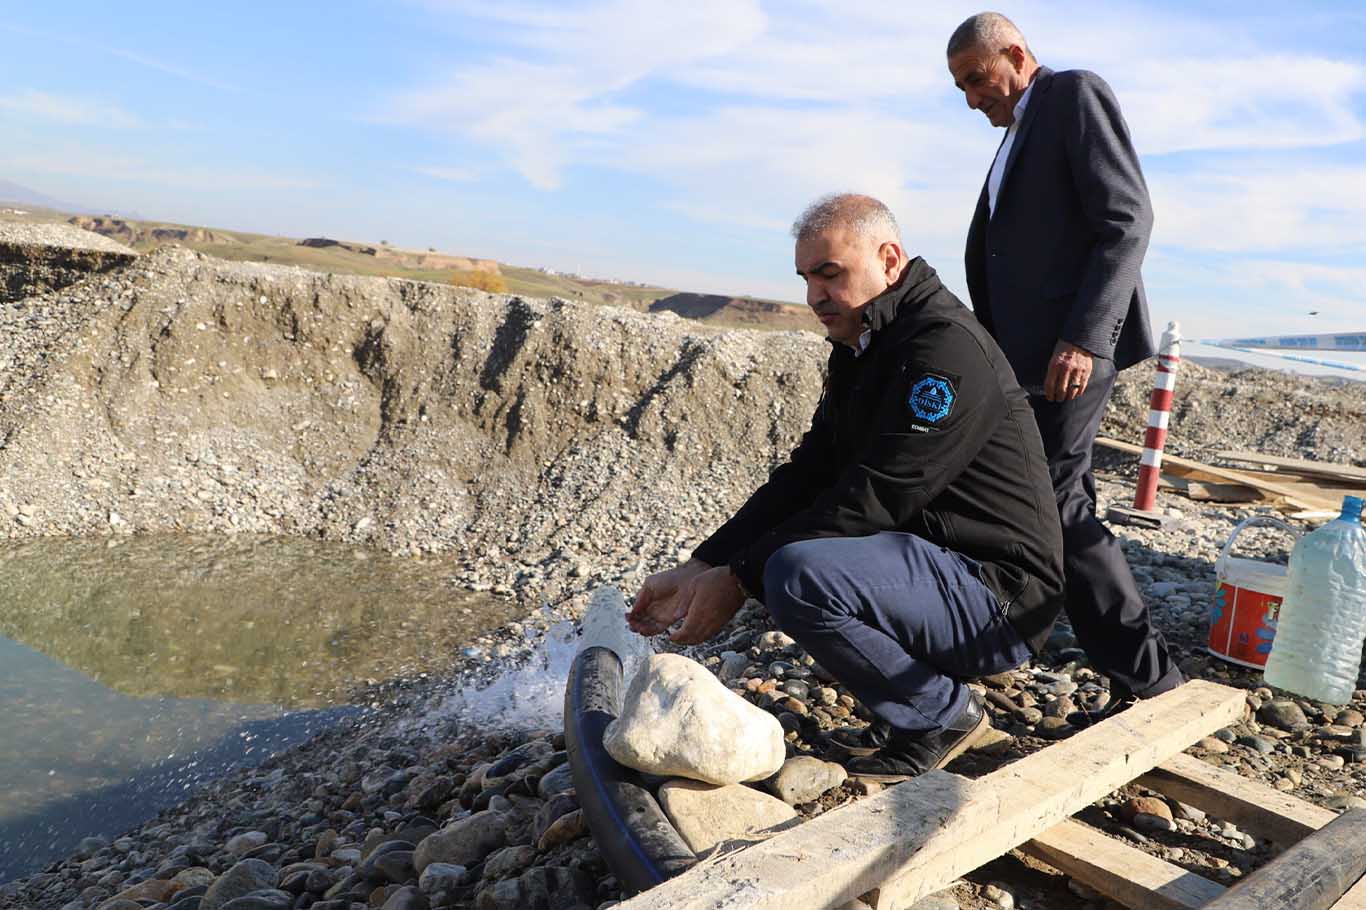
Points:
(134, 669)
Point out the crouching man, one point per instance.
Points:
(911, 540)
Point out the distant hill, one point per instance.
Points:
(15, 194)
(141, 235)
(408, 259)
(737, 311)
(345, 257)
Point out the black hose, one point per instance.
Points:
(634, 836)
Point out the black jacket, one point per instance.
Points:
(926, 432)
(1060, 256)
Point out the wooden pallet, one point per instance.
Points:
(915, 839)
(1307, 489)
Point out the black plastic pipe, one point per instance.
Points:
(634, 836)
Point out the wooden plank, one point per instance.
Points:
(1331, 470)
(1262, 810)
(914, 839)
(1312, 875)
(1292, 496)
(1208, 491)
(1354, 899)
(1033, 794)
(1122, 873)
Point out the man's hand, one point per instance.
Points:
(709, 601)
(658, 604)
(1069, 371)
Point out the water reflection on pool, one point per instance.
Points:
(132, 669)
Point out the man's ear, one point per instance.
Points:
(893, 259)
(1017, 57)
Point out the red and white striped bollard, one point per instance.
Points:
(1159, 415)
(1145, 510)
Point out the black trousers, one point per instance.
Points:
(1102, 600)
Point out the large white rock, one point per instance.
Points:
(705, 816)
(678, 720)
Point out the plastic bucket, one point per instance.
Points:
(1247, 602)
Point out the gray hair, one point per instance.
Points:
(862, 215)
(990, 32)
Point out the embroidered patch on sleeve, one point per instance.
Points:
(931, 399)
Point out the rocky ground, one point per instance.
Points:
(544, 448)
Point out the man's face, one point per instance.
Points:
(991, 83)
(843, 271)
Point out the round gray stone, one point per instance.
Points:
(242, 879)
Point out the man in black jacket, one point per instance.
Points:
(911, 539)
(1053, 257)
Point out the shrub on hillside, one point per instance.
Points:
(480, 281)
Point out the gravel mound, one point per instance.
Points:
(1247, 408)
(39, 257)
(58, 236)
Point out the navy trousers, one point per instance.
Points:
(896, 619)
(1102, 601)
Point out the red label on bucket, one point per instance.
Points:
(1243, 624)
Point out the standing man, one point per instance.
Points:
(911, 540)
(1053, 258)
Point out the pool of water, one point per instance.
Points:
(134, 669)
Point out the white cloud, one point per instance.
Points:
(1221, 296)
(68, 109)
(821, 95)
(1260, 207)
(110, 165)
(715, 161)
(541, 110)
(536, 112)
(623, 40)
(1335, 293)
(1273, 102)
(451, 174)
(853, 53)
(66, 37)
(179, 72)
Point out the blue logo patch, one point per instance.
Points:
(931, 399)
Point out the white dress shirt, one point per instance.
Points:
(998, 167)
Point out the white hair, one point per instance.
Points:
(990, 32)
(860, 214)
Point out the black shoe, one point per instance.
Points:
(909, 754)
(1083, 718)
(845, 743)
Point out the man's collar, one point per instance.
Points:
(1024, 99)
(915, 282)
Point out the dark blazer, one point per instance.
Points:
(1060, 257)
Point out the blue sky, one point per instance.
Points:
(674, 142)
